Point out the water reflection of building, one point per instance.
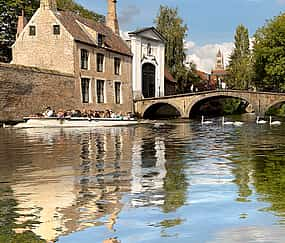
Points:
(148, 173)
(74, 180)
(71, 179)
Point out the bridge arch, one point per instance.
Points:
(161, 110)
(199, 99)
(281, 101)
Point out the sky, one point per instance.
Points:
(211, 23)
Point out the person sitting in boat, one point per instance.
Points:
(84, 113)
(107, 114)
(113, 114)
(60, 114)
(48, 112)
(97, 114)
(75, 113)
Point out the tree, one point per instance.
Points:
(269, 55)
(240, 64)
(10, 9)
(171, 26)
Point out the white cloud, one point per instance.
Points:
(205, 56)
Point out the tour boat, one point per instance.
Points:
(35, 122)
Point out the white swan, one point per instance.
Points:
(238, 123)
(226, 122)
(205, 122)
(276, 123)
(260, 121)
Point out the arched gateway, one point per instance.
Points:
(148, 80)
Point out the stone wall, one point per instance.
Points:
(26, 90)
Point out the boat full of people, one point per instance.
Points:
(39, 122)
(50, 119)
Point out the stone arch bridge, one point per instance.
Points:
(260, 101)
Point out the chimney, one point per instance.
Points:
(112, 20)
(22, 21)
(48, 4)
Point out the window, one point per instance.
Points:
(100, 40)
(84, 59)
(149, 51)
(32, 31)
(117, 65)
(56, 29)
(85, 82)
(100, 62)
(118, 92)
(100, 91)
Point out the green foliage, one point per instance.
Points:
(240, 65)
(186, 77)
(73, 6)
(231, 106)
(269, 55)
(11, 9)
(277, 111)
(171, 26)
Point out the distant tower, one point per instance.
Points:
(48, 4)
(112, 20)
(22, 21)
(219, 61)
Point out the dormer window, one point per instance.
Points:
(32, 30)
(100, 39)
(56, 29)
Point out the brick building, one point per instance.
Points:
(92, 52)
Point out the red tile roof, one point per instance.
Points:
(168, 75)
(112, 42)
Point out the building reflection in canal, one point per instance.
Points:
(75, 179)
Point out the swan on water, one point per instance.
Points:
(238, 123)
(260, 121)
(277, 123)
(226, 122)
(205, 122)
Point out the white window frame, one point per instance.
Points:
(104, 60)
(121, 93)
(120, 68)
(105, 91)
(89, 89)
(88, 60)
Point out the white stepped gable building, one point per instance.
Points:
(148, 48)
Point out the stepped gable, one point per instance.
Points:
(112, 41)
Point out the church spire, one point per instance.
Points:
(219, 61)
(112, 19)
(48, 4)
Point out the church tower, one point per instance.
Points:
(48, 4)
(112, 19)
(219, 61)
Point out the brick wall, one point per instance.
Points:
(25, 91)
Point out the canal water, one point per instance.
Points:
(172, 181)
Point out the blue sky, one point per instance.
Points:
(210, 23)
